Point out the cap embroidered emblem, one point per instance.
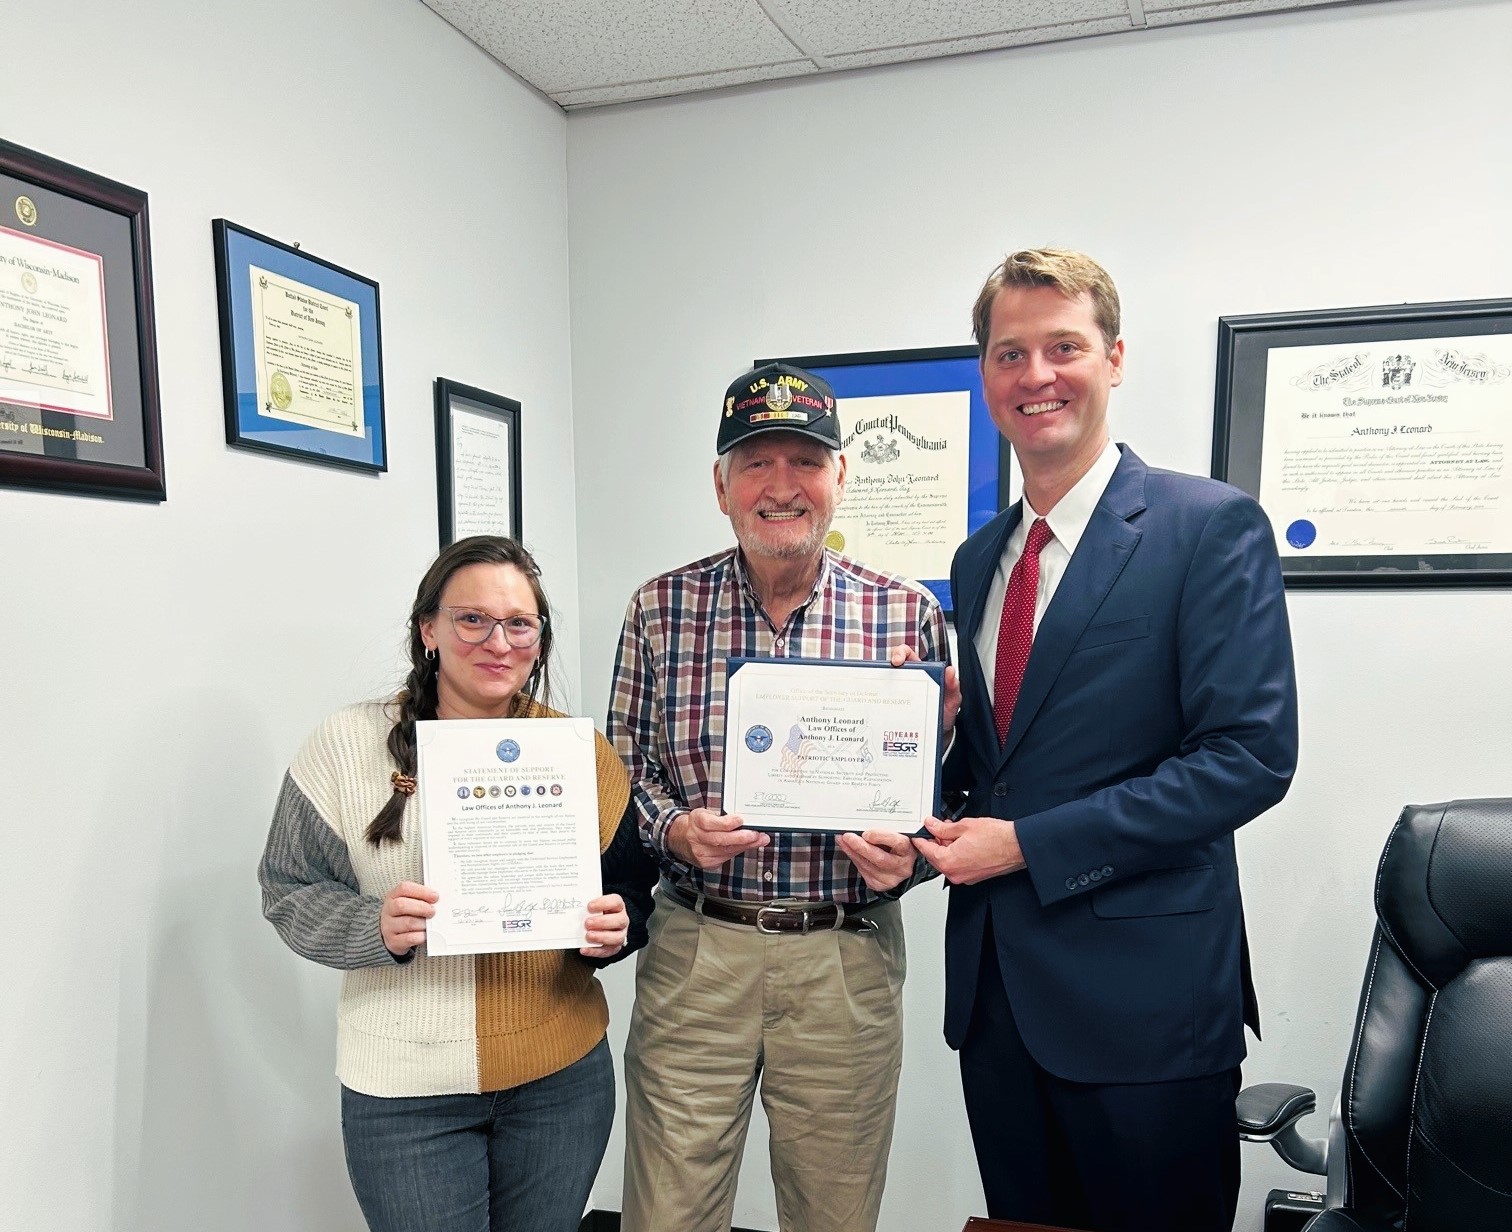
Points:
(779, 397)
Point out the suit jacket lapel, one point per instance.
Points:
(1100, 557)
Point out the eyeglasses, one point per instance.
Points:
(521, 631)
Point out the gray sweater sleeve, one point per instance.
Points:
(310, 894)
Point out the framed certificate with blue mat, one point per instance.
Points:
(301, 353)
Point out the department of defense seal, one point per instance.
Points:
(508, 750)
(758, 738)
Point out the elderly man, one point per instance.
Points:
(1129, 702)
(775, 959)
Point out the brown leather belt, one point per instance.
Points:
(778, 916)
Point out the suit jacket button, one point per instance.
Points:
(1095, 874)
(1107, 870)
(1000, 789)
(1083, 879)
(1070, 883)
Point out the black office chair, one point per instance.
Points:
(1421, 1136)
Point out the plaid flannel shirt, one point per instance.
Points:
(667, 709)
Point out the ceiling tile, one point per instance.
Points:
(836, 27)
(665, 87)
(1178, 12)
(987, 42)
(570, 45)
(586, 53)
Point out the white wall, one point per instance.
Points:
(1352, 156)
(167, 1063)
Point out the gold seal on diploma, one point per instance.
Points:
(29, 282)
(835, 541)
(280, 391)
(26, 211)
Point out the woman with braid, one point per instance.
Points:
(477, 1091)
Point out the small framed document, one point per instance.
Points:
(509, 832)
(832, 745)
(477, 462)
(301, 357)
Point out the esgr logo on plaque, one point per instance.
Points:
(508, 751)
(900, 744)
(758, 738)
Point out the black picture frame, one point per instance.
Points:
(70, 429)
(917, 370)
(477, 463)
(1377, 352)
(268, 410)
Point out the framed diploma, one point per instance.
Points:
(1378, 440)
(925, 465)
(832, 745)
(78, 348)
(301, 355)
(477, 462)
(509, 832)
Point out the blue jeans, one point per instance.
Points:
(521, 1160)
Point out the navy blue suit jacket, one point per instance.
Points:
(1158, 714)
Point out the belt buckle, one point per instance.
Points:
(777, 911)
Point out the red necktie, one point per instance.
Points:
(1016, 631)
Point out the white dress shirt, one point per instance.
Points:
(1068, 523)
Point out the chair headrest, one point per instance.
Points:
(1444, 886)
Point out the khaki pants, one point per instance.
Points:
(817, 1019)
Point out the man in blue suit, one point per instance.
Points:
(1129, 702)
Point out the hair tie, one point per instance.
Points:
(404, 784)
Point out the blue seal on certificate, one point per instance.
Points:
(758, 738)
(1301, 533)
(508, 750)
(463, 792)
(524, 789)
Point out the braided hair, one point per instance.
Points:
(419, 697)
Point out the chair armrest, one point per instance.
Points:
(1269, 1112)
(1267, 1108)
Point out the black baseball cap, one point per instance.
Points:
(778, 397)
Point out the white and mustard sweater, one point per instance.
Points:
(422, 1025)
